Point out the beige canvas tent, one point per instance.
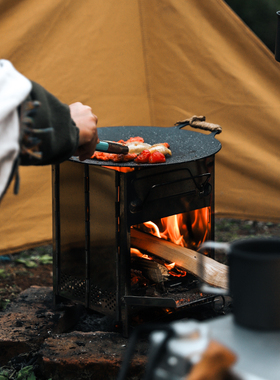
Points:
(149, 62)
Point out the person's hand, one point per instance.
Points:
(86, 121)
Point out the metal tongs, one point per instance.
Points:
(111, 147)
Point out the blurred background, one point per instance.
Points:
(259, 15)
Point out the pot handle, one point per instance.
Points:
(200, 123)
(224, 247)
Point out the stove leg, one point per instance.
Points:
(57, 300)
(126, 321)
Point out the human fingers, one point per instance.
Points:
(86, 151)
(86, 122)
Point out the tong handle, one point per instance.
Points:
(111, 147)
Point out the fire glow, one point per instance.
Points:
(172, 269)
(187, 230)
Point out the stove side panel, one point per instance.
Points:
(103, 257)
(69, 232)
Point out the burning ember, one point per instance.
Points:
(171, 268)
(136, 252)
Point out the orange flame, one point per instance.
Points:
(136, 252)
(122, 169)
(187, 230)
(170, 266)
(172, 230)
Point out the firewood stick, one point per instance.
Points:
(215, 273)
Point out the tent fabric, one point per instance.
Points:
(143, 62)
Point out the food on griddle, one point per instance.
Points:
(163, 148)
(101, 156)
(151, 157)
(156, 157)
(143, 157)
(137, 147)
(139, 151)
(123, 157)
(115, 157)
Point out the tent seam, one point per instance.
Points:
(146, 68)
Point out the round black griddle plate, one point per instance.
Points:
(185, 145)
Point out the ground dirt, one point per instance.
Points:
(21, 270)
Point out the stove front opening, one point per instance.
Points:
(161, 251)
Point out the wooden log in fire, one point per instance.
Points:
(215, 273)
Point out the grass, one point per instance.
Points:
(34, 257)
(21, 270)
(228, 230)
(26, 372)
(9, 373)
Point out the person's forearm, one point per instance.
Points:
(61, 137)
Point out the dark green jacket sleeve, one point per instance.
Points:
(54, 131)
